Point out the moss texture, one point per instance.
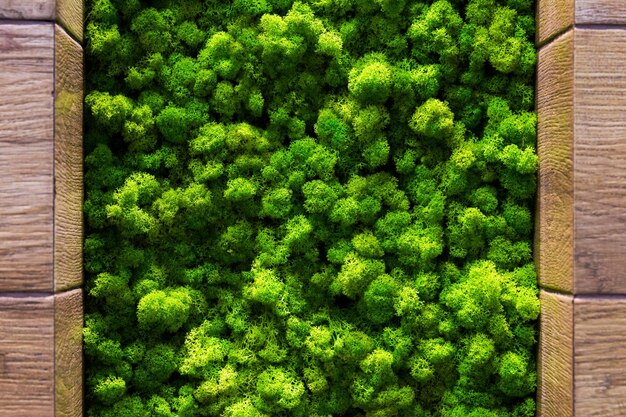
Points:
(310, 208)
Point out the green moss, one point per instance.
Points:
(310, 208)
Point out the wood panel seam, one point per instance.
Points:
(545, 42)
(554, 290)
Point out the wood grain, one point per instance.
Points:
(600, 155)
(26, 357)
(553, 17)
(68, 336)
(26, 156)
(555, 359)
(27, 9)
(68, 156)
(600, 357)
(555, 100)
(608, 12)
(69, 13)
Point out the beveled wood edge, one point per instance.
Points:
(68, 356)
(70, 14)
(555, 390)
(68, 157)
(553, 17)
(554, 228)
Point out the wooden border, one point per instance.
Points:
(581, 218)
(581, 221)
(41, 193)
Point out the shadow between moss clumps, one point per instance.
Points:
(310, 208)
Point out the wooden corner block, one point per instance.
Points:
(553, 17)
(41, 187)
(600, 161)
(555, 108)
(68, 369)
(555, 396)
(600, 356)
(41, 355)
(69, 13)
(68, 168)
(581, 205)
(26, 156)
(27, 356)
(556, 16)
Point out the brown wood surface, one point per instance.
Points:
(26, 156)
(600, 161)
(555, 357)
(68, 334)
(41, 80)
(69, 13)
(26, 357)
(555, 99)
(68, 155)
(600, 357)
(553, 17)
(27, 9)
(601, 12)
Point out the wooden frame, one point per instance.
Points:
(581, 216)
(41, 193)
(581, 212)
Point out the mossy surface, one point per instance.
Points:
(310, 208)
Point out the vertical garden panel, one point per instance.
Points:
(41, 81)
(581, 220)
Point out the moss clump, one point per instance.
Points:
(310, 208)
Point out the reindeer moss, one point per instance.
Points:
(310, 208)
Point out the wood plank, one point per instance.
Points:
(555, 359)
(600, 357)
(554, 234)
(553, 17)
(27, 9)
(26, 357)
(68, 155)
(608, 12)
(68, 336)
(26, 156)
(600, 155)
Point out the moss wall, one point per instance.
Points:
(310, 208)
